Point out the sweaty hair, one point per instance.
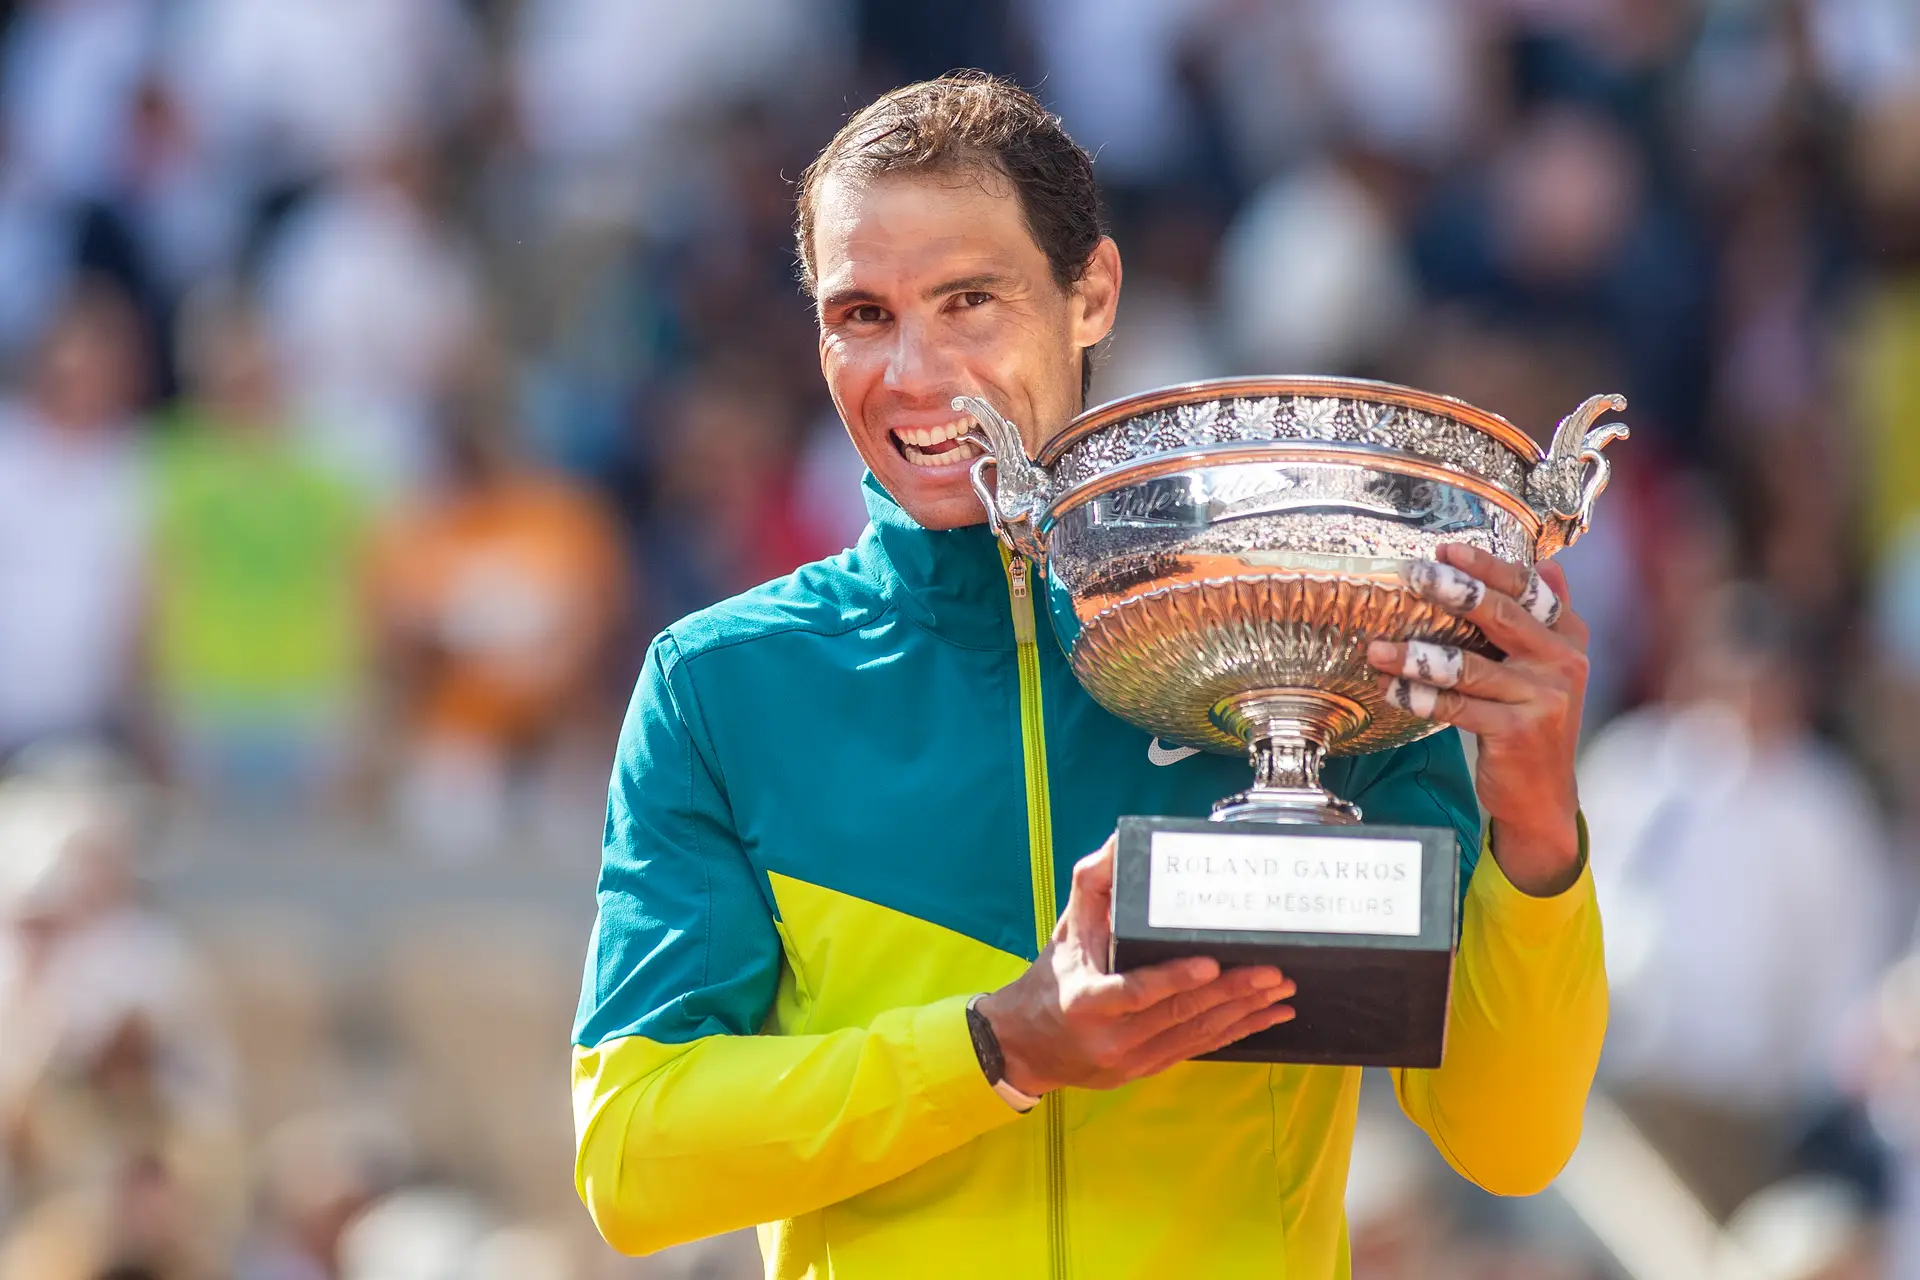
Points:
(971, 120)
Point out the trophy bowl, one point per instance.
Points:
(1218, 555)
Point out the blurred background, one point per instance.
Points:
(377, 376)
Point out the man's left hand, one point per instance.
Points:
(1524, 710)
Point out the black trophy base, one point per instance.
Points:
(1365, 930)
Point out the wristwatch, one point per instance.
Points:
(993, 1063)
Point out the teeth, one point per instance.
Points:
(965, 451)
(924, 436)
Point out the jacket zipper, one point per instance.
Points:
(1033, 740)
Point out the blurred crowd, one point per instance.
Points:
(376, 376)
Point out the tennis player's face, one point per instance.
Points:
(931, 286)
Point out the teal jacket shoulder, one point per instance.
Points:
(826, 598)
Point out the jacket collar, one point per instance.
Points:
(949, 581)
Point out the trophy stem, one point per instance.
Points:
(1287, 732)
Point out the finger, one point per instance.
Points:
(1450, 587)
(1499, 573)
(1540, 601)
(1092, 890)
(1514, 579)
(1197, 1035)
(1093, 874)
(1541, 590)
(1412, 697)
(1448, 706)
(1138, 989)
(1256, 1021)
(1239, 1029)
(1497, 614)
(1443, 666)
(1439, 665)
(1254, 981)
(1570, 623)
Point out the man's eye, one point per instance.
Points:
(975, 298)
(866, 313)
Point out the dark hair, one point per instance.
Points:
(968, 120)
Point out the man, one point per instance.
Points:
(74, 508)
(495, 594)
(832, 826)
(256, 651)
(1747, 885)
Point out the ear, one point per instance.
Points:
(1095, 297)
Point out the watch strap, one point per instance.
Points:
(993, 1062)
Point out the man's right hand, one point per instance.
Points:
(1067, 1021)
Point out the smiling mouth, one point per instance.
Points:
(936, 448)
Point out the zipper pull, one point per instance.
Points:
(1017, 570)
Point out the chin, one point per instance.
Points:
(941, 504)
(951, 517)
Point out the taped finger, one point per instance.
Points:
(1454, 590)
(1481, 716)
(1539, 600)
(1499, 574)
(1413, 697)
(1440, 665)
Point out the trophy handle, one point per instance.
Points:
(1564, 486)
(1019, 493)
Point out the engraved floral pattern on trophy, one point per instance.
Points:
(1292, 418)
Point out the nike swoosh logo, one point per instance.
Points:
(1169, 755)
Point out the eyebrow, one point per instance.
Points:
(848, 297)
(986, 281)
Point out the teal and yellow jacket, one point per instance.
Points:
(849, 800)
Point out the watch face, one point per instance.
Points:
(986, 1045)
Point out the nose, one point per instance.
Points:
(919, 365)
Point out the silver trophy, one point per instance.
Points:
(1218, 555)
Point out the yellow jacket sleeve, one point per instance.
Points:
(679, 1141)
(1523, 1038)
(687, 1122)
